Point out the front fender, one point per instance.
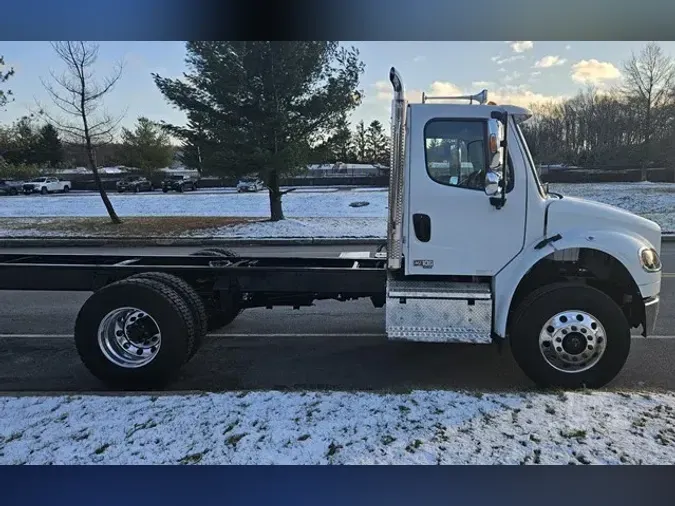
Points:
(622, 245)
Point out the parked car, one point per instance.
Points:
(250, 184)
(46, 185)
(9, 187)
(134, 184)
(179, 184)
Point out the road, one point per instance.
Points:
(337, 346)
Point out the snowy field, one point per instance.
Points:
(320, 212)
(423, 427)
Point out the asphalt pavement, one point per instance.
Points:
(333, 345)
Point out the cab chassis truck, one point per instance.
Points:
(482, 256)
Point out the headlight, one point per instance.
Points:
(650, 260)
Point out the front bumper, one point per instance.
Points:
(651, 315)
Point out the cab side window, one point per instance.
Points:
(456, 152)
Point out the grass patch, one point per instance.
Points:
(152, 226)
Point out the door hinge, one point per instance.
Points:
(548, 241)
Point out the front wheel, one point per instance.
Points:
(570, 335)
(66, 189)
(44, 190)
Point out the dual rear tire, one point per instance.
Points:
(137, 333)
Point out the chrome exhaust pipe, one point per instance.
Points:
(396, 175)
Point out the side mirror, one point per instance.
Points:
(492, 183)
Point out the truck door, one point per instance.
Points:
(453, 228)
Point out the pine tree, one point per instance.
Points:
(147, 147)
(49, 147)
(258, 107)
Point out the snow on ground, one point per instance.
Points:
(356, 227)
(311, 213)
(296, 205)
(423, 427)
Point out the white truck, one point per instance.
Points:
(46, 185)
(478, 251)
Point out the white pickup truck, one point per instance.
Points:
(46, 185)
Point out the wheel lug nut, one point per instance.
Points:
(564, 331)
(558, 340)
(126, 346)
(119, 333)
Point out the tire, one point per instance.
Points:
(120, 191)
(606, 345)
(191, 297)
(13, 191)
(172, 316)
(217, 316)
(135, 189)
(66, 189)
(44, 190)
(180, 189)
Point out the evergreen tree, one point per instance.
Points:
(147, 147)
(49, 147)
(259, 106)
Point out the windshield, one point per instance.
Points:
(38, 180)
(247, 180)
(530, 161)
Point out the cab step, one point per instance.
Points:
(438, 311)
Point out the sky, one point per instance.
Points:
(515, 72)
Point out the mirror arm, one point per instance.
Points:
(499, 202)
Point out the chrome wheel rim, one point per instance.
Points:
(129, 337)
(572, 341)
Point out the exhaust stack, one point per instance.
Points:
(396, 175)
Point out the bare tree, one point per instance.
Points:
(649, 78)
(78, 94)
(4, 75)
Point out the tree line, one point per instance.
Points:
(631, 125)
(27, 146)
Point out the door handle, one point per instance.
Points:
(422, 226)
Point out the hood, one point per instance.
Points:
(572, 212)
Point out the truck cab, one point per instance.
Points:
(479, 250)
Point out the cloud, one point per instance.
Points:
(594, 72)
(509, 59)
(549, 61)
(479, 84)
(383, 90)
(568, 47)
(418, 59)
(502, 70)
(534, 74)
(495, 58)
(511, 77)
(520, 46)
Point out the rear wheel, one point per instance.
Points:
(44, 191)
(191, 297)
(165, 190)
(570, 335)
(221, 308)
(13, 191)
(134, 334)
